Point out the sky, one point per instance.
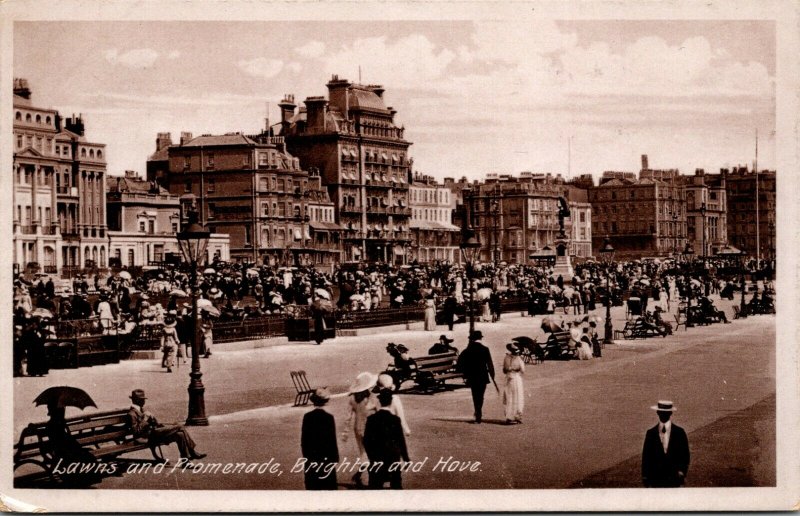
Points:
(475, 97)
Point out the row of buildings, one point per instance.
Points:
(332, 182)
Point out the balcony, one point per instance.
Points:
(27, 230)
(71, 191)
(49, 230)
(351, 209)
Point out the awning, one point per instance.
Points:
(353, 153)
(324, 226)
(345, 153)
(384, 156)
(433, 225)
(297, 234)
(395, 158)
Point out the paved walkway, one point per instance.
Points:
(584, 421)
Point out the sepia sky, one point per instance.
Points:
(475, 97)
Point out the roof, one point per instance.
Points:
(161, 154)
(433, 225)
(366, 99)
(217, 140)
(324, 226)
(125, 184)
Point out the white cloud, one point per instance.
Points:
(136, 58)
(261, 67)
(406, 62)
(312, 49)
(175, 54)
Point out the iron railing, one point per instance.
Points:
(380, 317)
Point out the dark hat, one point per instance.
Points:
(476, 335)
(512, 348)
(320, 396)
(445, 338)
(137, 394)
(402, 348)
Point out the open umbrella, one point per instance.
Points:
(645, 282)
(124, 275)
(324, 294)
(43, 313)
(569, 292)
(202, 302)
(357, 297)
(178, 293)
(483, 293)
(524, 341)
(252, 272)
(210, 310)
(210, 270)
(65, 396)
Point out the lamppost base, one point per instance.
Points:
(197, 405)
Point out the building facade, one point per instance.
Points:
(58, 190)
(515, 217)
(751, 224)
(361, 154)
(579, 222)
(706, 212)
(434, 237)
(643, 217)
(143, 222)
(250, 188)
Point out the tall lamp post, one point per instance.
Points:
(608, 256)
(688, 252)
(193, 240)
(470, 247)
(703, 217)
(676, 233)
(742, 306)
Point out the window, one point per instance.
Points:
(28, 117)
(187, 162)
(187, 186)
(91, 153)
(47, 120)
(83, 153)
(18, 116)
(19, 141)
(246, 160)
(274, 183)
(151, 226)
(247, 235)
(210, 160)
(263, 159)
(212, 186)
(130, 258)
(99, 154)
(263, 185)
(141, 226)
(174, 227)
(297, 211)
(583, 216)
(211, 210)
(265, 209)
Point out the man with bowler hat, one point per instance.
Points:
(145, 426)
(665, 456)
(318, 443)
(475, 363)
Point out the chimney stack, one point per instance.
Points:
(287, 107)
(75, 124)
(163, 140)
(185, 137)
(645, 164)
(315, 112)
(21, 88)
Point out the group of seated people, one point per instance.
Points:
(704, 312)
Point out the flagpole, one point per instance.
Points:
(758, 229)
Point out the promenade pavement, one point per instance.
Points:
(583, 427)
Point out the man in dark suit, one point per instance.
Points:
(475, 363)
(665, 456)
(318, 443)
(145, 427)
(449, 310)
(385, 445)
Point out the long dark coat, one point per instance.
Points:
(661, 469)
(318, 443)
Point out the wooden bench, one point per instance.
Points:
(637, 329)
(429, 372)
(557, 346)
(302, 387)
(106, 435)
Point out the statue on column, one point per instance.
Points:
(561, 238)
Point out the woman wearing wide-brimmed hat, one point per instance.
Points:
(361, 405)
(513, 392)
(169, 342)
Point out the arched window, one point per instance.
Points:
(130, 258)
(47, 120)
(99, 154)
(91, 153)
(83, 153)
(102, 256)
(18, 116)
(297, 211)
(28, 117)
(38, 119)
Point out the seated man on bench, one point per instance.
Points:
(145, 426)
(710, 311)
(443, 346)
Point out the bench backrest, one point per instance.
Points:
(436, 361)
(90, 429)
(559, 337)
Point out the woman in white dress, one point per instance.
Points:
(169, 343)
(513, 392)
(430, 314)
(360, 406)
(584, 349)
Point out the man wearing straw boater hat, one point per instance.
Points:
(665, 456)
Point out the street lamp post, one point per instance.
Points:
(193, 241)
(676, 233)
(688, 252)
(608, 256)
(703, 217)
(470, 247)
(742, 306)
